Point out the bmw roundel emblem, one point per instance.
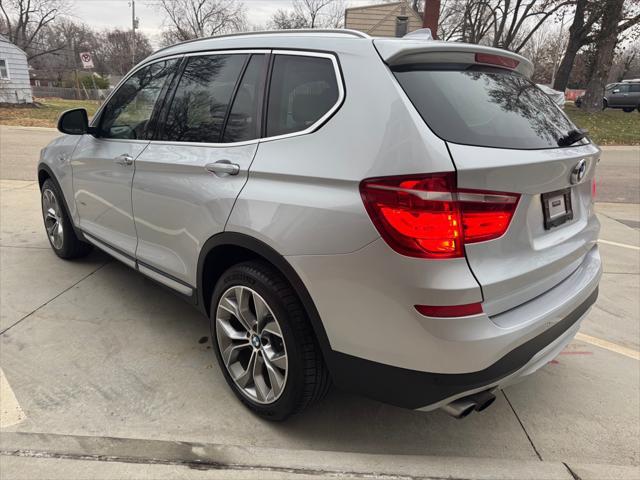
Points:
(579, 171)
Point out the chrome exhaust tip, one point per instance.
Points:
(483, 400)
(464, 406)
(459, 408)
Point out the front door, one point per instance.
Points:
(104, 163)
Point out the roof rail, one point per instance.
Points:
(342, 31)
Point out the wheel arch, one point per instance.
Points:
(46, 173)
(228, 248)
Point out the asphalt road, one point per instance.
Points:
(106, 375)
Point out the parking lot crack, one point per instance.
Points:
(571, 472)
(52, 299)
(522, 426)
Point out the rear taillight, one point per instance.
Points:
(593, 189)
(426, 216)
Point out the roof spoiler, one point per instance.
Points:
(411, 50)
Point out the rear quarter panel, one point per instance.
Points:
(303, 198)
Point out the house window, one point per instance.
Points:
(4, 69)
(401, 26)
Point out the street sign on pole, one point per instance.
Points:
(87, 61)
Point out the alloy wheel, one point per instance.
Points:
(251, 344)
(52, 214)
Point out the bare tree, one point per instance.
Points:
(627, 62)
(25, 21)
(508, 24)
(310, 10)
(189, 19)
(581, 32)
(517, 20)
(113, 52)
(618, 17)
(478, 19)
(286, 20)
(310, 14)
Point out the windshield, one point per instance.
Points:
(484, 106)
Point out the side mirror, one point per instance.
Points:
(74, 122)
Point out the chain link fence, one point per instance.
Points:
(70, 93)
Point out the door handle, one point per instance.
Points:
(223, 167)
(125, 159)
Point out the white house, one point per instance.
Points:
(14, 74)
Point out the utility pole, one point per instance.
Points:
(134, 24)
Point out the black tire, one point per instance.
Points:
(307, 379)
(628, 109)
(71, 246)
(605, 104)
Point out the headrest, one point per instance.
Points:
(309, 107)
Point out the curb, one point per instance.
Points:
(231, 457)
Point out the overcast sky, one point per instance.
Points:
(117, 13)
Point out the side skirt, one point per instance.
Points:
(182, 289)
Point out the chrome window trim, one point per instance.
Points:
(298, 53)
(341, 92)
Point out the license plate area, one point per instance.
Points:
(557, 208)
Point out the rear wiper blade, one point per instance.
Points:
(572, 137)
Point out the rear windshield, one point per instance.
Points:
(484, 106)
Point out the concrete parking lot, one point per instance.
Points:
(107, 375)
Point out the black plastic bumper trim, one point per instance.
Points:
(415, 389)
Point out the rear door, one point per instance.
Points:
(505, 135)
(188, 178)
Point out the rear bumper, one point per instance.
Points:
(427, 391)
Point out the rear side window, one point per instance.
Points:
(302, 90)
(201, 100)
(484, 106)
(242, 124)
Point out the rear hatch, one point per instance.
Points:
(505, 135)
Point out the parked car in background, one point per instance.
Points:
(408, 219)
(555, 95)
(624, 95)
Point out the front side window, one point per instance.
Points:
(198, 110)
(4, 69)
(129, 110)
(302, 90)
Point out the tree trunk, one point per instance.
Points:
(605, 48)
(566, 65)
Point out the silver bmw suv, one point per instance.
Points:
(408, 219)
